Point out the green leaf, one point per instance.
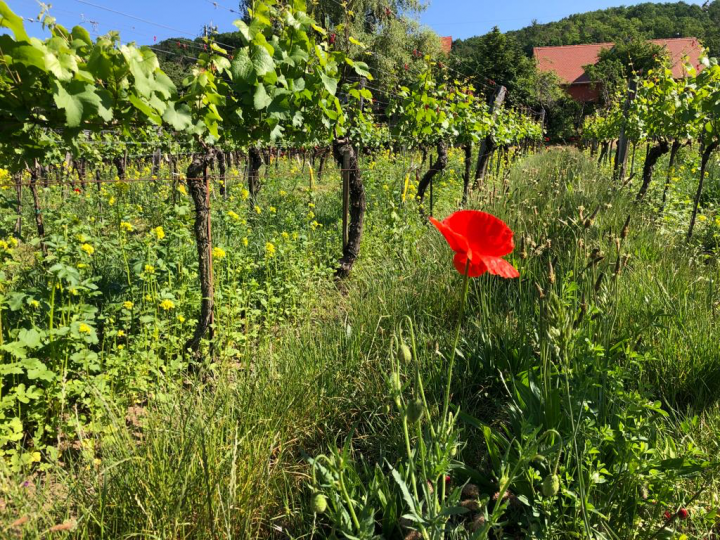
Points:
(242, 67)
(146, 109)
(164, 85)
(261, 99)
(329, 83)
(404, 490)
(361, 68)
(29, 338)
(12, 22)
(79, 100)
(178, 116)
(244, 30)
(29, 55)
(80, 34)
(262, 61)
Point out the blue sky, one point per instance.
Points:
(184, 18)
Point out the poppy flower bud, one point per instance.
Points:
(406, 353)
(319, 503)
(415, 411)
(551, 485)
(683, 513)
(667, 515)
(395, 384)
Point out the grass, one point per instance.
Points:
(622, 364)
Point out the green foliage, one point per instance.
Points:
(642, 21)
(623, 62)
(496, 59)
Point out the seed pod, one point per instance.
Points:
(470, 491)
(551, 273)
(415, 410)
(319, 503)
(624, 232)
(406, 353)
(551, 485)
(598, 283)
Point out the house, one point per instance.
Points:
(568, 62)
(446, 44)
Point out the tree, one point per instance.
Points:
(496, 59)
(647, 20)
(617, 65)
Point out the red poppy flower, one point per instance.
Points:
(667, 515)
(683, 513)
(480, 238)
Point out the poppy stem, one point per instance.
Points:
(451, 365)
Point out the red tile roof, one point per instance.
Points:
(568, 61)
(446, 44)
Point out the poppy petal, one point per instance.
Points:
(457, 243)
(485, 234)
(500, 267)
(474, 270)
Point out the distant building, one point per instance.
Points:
(568, 62)
(446, 44)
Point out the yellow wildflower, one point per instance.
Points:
(233, 215)
(245, 241)
(128, 305)
(125, 226)
(285, 235)
(4, 245)
(244, 194)
(87, 248)
(181, 189)
(120, 333)
(269, 249)
(180, 319)
(111, 201)
(702, 218)
(167, 305)
(35, 304)
(218, 253)
(158, 232)
(273, 209)
(258, 210)
(149, 269)
(84, 328)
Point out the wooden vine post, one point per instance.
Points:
(345, 198)
(621, 154)
(199, 187)
(345, 155)
(488, 143)
(707, 150)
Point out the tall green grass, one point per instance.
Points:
(633, 356)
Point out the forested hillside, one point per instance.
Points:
(649, 20)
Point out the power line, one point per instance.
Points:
(146, 21)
